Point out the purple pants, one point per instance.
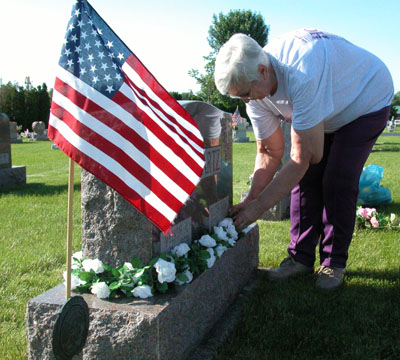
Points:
(323, 204)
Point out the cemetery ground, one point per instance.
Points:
(290, 320)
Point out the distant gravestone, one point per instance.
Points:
(9, 175)
(240, 134)
(13, 133)
(39, 131)
(5, 143)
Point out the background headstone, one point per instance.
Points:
(5, 143)
(14, 133)
(240, 134)
(39, 131)
(9, 175)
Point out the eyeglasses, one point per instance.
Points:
(247, 95)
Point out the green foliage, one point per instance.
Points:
(222, 28)
(395, 107)
(237, 21)
(25, 105)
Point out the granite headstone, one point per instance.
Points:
(9, 175)
(171, 325)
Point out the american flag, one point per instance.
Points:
(112, 117)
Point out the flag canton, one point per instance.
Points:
(92, 52)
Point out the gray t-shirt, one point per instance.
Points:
(321, 77)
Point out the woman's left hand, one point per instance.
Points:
(247, 214)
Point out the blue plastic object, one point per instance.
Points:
(371, 193)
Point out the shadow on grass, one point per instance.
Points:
(37, 189)
(293, 320)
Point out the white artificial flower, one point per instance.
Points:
(143, 291)
(101, 290)
(207, 241)
(129, 266)
(166, 270)
(78, 255)
(220, 250)
(392, 217)
(225, 222)
(75, 281)
(181, 249)
(232, 232)
(96, 265)
(211, 259)
(221, 233)
(190, 278)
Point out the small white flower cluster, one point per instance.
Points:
(166, 270)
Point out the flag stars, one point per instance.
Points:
(71, 27)
(80, 24)
(78, 49)
(107, 77)
(95, 79)
(77, 12)
(90, 57)
(97, 43)
(70, 63)
(67, 52)
(87, 46)
(104, 66)
(110, 44)
(84, 35)
(109, 89)
(101, 55)
(80, 60)
(73, 38)
(114, 66)
(94, 32)
(120, 56)
(93, 68)
(99, 31)
(82, 71)
(118, 76)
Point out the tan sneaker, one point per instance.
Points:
(289, 268)
(330, 278)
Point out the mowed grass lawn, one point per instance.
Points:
(283, 321)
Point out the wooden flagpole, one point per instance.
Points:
(69, 226)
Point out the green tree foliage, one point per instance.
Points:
(395, 103)
(24, 105)
(237, 21)
(222, 28)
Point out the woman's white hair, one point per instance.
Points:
(237, 62)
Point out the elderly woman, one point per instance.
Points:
(337, 97)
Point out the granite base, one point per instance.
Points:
(167, 326)
(15, 175)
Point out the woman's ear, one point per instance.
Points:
(263, 70)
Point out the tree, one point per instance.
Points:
(237, 21)
(222, 28)
(395, 102)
